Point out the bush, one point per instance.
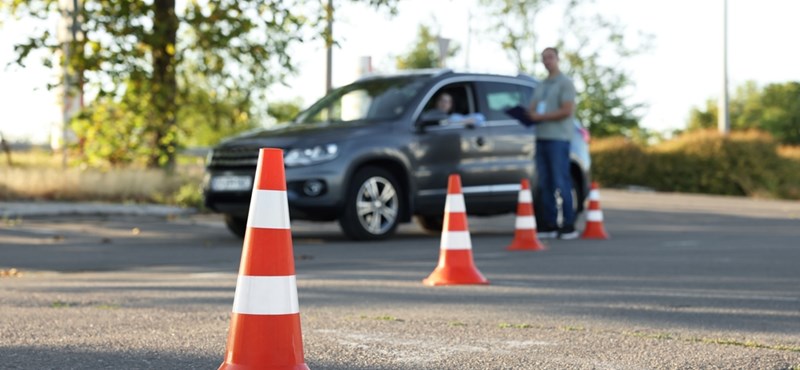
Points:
(742, 163)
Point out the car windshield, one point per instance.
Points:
(377, 99)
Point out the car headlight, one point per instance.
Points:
(312, 155)
(209, 157)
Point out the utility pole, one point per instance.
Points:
(723, 117)
(469, 39)
(329, 47)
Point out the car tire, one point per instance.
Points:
(236, 225)
(372, 205)
(432, 224)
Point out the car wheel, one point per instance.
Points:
(236, 225)
(431, 224)
(373, 204)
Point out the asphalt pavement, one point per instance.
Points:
(686, 282)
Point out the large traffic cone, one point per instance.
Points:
(265, 323)
(594, 217)
(455, 259)
(525, 238)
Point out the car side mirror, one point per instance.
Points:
(431, 117)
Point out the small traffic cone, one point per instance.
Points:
(525, 238)
(265, 322)
(455, 259)
(594, 217)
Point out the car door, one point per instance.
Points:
(446, 148)
(513, 143)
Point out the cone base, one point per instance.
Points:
(270, 342)
(246, 367)
(595, 231)
(526, 245)
(455, 276)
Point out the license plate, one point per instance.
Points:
(231, 183)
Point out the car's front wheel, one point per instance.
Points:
(373, 204)
(432, 224)
(236, 225)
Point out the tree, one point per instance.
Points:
(774, 109)
(425, 51)
(591, 49)
(284, 111)
(240, 47)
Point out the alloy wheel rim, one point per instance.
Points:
(377, 205)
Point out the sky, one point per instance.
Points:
(682, 69)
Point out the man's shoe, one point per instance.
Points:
(568, 233)
(547, 233)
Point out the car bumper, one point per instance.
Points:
(324, 206)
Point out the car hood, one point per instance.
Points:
(287, 136)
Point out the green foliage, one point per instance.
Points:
(743, 163)
(425, 52)
(774, 109)
(587, 45)
(237, 47)
(284, 111)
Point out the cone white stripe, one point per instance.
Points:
(456, 240)
(594, 215)
(455, 204)
(594, 194)
(269, 209)
(525, 196)
(526, 223)
(266, 295)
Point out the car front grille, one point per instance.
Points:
(234, 157)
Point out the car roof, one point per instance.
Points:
(439, 73)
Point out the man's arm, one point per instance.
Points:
(564, 111)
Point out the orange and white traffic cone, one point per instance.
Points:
(265, 323)
(594, 217)
(525, 238)
(455, 259)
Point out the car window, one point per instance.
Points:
(461, 95)
(497, 97)
(378, 99)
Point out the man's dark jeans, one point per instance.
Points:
(552, 167)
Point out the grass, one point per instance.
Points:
(718, 341)
(61, 304)
(505, 325)
(38, 175)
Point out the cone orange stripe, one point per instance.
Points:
(265, 339)
(524, 209)
(270, 174)
(454, 184)
(273, 245)
(455, 222)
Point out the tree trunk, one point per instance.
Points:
(164, 85)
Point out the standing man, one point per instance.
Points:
(552, 106)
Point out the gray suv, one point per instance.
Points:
(375, 153)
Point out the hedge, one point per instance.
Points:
(741, 163)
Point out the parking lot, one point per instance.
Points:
(685, 281)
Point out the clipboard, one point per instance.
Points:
(521, 114)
